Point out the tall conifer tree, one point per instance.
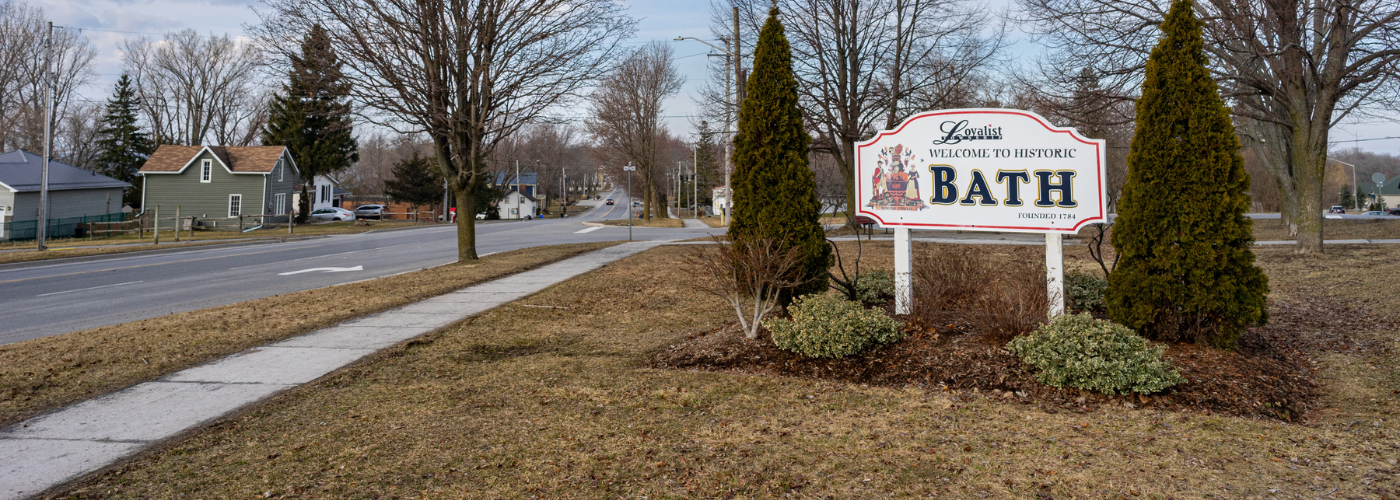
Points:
(1186, 270)
(775, 193)
(311, 115)
(124, 147)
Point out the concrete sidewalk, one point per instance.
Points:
(52, 449)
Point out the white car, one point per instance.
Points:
(332, 214)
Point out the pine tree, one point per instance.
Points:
(1186, 270)
(710, 172)
(416, 181)
(124, 147)
(774, 191)
(311, 115)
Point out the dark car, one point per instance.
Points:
(1337, 209)
(610, 201)
(1395, 211)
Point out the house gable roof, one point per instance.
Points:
(526, 196)
(526, 179)
(171, 159)
(20, 172)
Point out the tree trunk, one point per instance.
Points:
(845, 162)
(466, 223)
(1308, 166)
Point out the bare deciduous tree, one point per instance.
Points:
(194, 88)
(626, 122)
(22, 76)
(865, 64)
(467, 73)
(1292, 69)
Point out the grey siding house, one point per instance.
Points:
(219, 182)
(74, 194)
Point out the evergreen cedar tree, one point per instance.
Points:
(311, 116)
(774, 191)
(1186, 270)
(416, 181)
(123, 146)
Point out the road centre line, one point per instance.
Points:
(89, 288)
(321, 256)
(136, 266)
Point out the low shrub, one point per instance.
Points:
(875, 287)
(946, 277)
(1014, 301)
(1085, 291)
(1086, 353)
(828, 326)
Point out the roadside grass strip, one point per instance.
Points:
(550, 397)
(42, 374)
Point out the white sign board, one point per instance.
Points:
(982, 170)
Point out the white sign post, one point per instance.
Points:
(997, 170)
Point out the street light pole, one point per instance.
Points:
(1357, 199)
(732, 94)
(629, 168)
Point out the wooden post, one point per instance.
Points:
(903, 271)
(191, 227)
(1055, 273)
(141, 228)
(240, 223)
(155, 228)
(177, 223)
(290, 220)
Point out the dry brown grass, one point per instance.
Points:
(1343, 229)
(56, 252)
(655, 222)
(42, 374)
(525, 401)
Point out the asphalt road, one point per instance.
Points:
(51, 298)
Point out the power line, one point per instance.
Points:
(1365, 140)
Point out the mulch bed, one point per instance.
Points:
(1268, 376)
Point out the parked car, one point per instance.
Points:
(481, 216)
(1337, 209)
(610, 201)
(369, 211)
(1395, 211)
(1375, 212)
(332, 214)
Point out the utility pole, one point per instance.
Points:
(695, 180)
(629, 168)
(518, 192)
(43, 221)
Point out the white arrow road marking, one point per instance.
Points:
(589, 230)
(92, 288)
(324, 269)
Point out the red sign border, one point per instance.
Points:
(1098, 157)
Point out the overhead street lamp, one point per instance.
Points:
(1354, 187)
(734, 95)
(629, 169)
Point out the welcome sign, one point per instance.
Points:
(982, 170)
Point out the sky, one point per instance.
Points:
(108, 22)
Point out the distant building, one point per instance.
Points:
(74, 194)
(327, 193)
(216, 182)
(515, 205)
(720, 196)
(1389, 192)
(527, 183)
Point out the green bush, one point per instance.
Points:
(1085, 291)
(875, 287)
(1186, 249)
(1086, 353)
(828, 326)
